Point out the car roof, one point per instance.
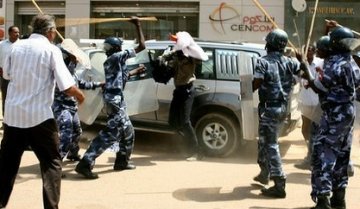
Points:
(203, 43)
(163, 44)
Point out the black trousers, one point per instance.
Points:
(3, 87)
(44, 141)
(179, 116)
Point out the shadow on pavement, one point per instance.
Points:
(215, 194)
(254, 207)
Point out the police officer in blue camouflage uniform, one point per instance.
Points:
(118, 127)
(273, 77)
(65, 112)
(331, 150)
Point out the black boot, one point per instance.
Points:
(262, 178)
(84, 169)
(278, 190)
(122, 163)
(73, 157)
(337, 200)
(323, 202)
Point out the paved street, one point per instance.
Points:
(164, 180)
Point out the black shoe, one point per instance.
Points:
(122, 163)
(337, 200)
(84, 169)
(323, 202)
(261, 179)
(123, 166)
(63, 175)
(73, 157)
(274, 192)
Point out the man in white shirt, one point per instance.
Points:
(33, 67)
(5, 48)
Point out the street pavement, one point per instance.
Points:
(164, 180)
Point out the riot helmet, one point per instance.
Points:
(112, 45)
(323, 46)
(340, 40)
(276, 40)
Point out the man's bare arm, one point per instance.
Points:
(257, 83)
(140, 38)
(75, 92)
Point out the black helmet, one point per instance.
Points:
(65, 53)
(276, 40)
(338, 40)
(112, 45)
(323, 44)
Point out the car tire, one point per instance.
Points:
(217, 134)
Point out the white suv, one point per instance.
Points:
(224, 112)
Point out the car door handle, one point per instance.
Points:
(202, 88)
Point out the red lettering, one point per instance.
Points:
(245, 19)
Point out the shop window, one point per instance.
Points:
(172, 17)
(24, 24)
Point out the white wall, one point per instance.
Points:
(245, 13)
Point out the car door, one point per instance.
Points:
(140, 90)
(139, 93)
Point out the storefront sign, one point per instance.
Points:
(257, 23)
(226, 18)
(333, 10)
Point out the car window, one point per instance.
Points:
(141, 57)
(155, 53)
(228, 63)
(206, 69)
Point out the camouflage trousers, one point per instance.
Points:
(118, 129)
(269, 159)
(69, 131)
(331, 150)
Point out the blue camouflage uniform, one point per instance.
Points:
(118, 127)
(277, 73)
(65, 111)
(331, 149)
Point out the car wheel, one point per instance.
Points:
(217, 134)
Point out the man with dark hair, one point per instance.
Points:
(33, 67)
(274, 79)
(5, 48)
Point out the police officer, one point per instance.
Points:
(65, 111)
(331, 150)
(274, 79)
(118, 126)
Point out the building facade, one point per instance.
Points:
(2, 19)
(228, 20)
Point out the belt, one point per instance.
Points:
(271, 104)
